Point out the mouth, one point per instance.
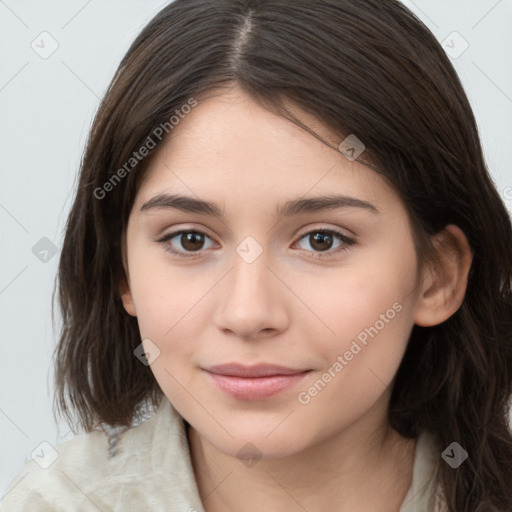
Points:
(254, 382)
(259, 370)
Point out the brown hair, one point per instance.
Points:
(363, 67)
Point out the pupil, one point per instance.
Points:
(321, 237)
(189, 240)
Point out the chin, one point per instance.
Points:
(256, 444)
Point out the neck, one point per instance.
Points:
(359, 469)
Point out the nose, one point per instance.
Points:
(253, 302)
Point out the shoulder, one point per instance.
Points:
(85, 473)
(49, 479)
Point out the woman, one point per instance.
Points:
(286, 241)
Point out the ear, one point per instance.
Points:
(124, 285)
(443, 289)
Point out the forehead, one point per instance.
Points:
(229, 147)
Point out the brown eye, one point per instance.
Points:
(191, 240)
(322, 240)
(187, 241)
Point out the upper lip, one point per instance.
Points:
(259, 370)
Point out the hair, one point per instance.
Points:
(364, 67)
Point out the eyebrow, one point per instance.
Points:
(290, 208)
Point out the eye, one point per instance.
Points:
(320, 241)
(190, 240)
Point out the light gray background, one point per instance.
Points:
(47, 106)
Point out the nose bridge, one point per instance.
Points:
(250, 277)
(251, 299)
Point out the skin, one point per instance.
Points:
(337, 452)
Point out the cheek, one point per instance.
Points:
(170, 304)
(367, 310)
(165, 293)
(372, 321)
(174, 310)
(348, 300)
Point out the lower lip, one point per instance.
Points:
(255, 388)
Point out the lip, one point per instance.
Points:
(254, 382)
(259, 370)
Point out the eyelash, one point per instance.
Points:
(316, 255)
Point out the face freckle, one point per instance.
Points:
(257, 291)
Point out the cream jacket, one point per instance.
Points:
(147, 468)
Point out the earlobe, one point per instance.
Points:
(445, 287)
(126, 297)
(124, 286)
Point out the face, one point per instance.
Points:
(326, 292)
